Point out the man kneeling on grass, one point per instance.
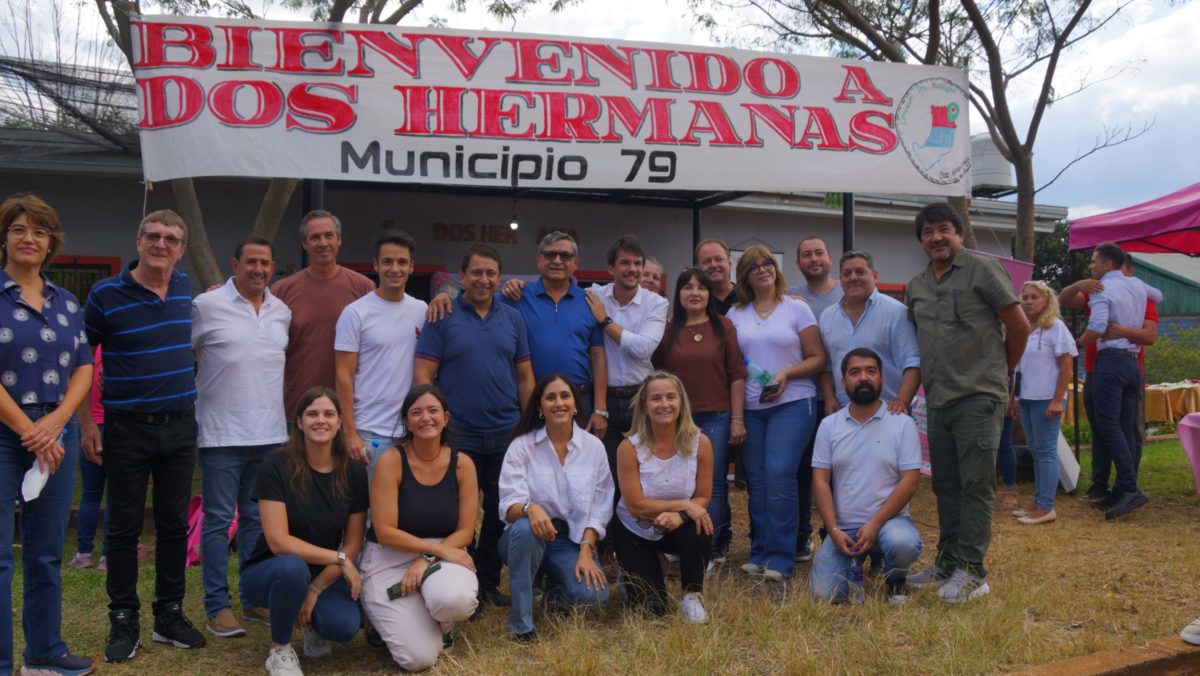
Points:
(865, 467)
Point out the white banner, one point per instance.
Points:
(224, 97)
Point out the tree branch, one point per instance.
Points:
(1111, 139)
(935, 32)
(404, 10)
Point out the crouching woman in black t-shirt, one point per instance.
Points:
(313, 505)
(418, 579)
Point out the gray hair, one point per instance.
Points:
(857, 253)
(318, 213)
(652, 260)
(554, 238)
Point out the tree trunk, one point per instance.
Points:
(274, 203)
(963, 206)
(1023, 164)
(199, 247)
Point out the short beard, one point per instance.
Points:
(864, 396)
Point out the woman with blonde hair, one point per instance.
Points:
(779, 337)
(1042, 378)
(665, 469)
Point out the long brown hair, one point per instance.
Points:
(297, 460)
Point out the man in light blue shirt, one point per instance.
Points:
(820, 290)
(867, 318)
(1116, 377)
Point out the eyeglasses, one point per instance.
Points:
(171, 241)
(39, 234)
(767, 264)
(564, 256)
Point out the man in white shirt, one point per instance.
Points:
(239, 337)
(866, 464)
(633, 320)
(374, 346)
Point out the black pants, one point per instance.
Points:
(487, 452)
(639, 559)
(135, 451)
(620, 419)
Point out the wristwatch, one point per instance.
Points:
(606, 322)
(602, 414)
(525, 508)
(341, 557)
(429, 557)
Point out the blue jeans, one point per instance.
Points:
(374, 451)
(280, 584)
(1006, 456)
(715, 425)
(1114, 396)
(487, 452)
(897, 541)
(526, 554)
(43, 530)
(92, 493)
(227, 478)
(775, 441)
(1042, 438)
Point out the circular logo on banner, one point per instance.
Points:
(928, 120)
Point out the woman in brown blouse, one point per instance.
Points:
(701, 348)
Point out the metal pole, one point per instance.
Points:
(695, 226)
(847, 221)
(1075, 362)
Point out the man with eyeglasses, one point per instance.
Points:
(142, 320)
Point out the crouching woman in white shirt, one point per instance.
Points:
(665, 467)
(418, 579)
(556, 495)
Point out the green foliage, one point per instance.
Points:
(1174, 357)
(1052, 259)
(1085, 431)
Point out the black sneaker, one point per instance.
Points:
(495, 597)
(1106, 503)
(1096, 492)
(124, 636)
(804, 550)
(65, 664)
(170, 626)
(1126, 504)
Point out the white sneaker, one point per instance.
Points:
(692, 605)
(1191, 633)
(80, 561)
(711, 568)
(772, 575)
(315, 646)
(672, 559)
(930, 576)
(752, 568)
(963, 586)
(283, 662)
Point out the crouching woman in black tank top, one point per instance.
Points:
(418, 579)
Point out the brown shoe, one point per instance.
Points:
(1009, 501)
(225, 625)
(257, 615)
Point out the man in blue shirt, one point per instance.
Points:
(1116, 376)
(142, 319)
(479, 357)
(867, 318)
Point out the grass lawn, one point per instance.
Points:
(1073, 587)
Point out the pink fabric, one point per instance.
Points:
(97, 408)
(1020, 271)
(196, 530)
(1168, 224)
(1188, 430)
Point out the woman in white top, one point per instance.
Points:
(665, 470)
(779, 335)
(1044, 373)
(556, 496)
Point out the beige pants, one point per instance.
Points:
(412, 626)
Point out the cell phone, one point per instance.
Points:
(768, 390)
(396, 591)
(560, 526)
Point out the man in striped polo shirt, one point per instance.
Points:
(142, 318)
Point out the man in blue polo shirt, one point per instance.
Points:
(142, 319)
(479, 357)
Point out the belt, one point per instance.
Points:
(161, 418)
(625, 391)
(39, 408)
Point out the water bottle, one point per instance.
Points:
(763, 377)
(854, 581)
(374, 452)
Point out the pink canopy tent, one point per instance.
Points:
(1168, 224)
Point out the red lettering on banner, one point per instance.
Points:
(858, 81)
(756, 79)
(399, 54)
(560, 124)
(493, 112)
(238, 48)
(331, 114)
(826, 131)
(621, 109)
(454, 232)
(268, 103)
(529, 61)
(197, 40)
(702, 82)
(607, 56)
(162, 94)
(718, 125)
(869, 137)
(291, 47)
(457, 50)
(661, 79)
(447, 112)
(497, 234)
(782, 122)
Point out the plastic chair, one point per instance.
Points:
(1188, 429)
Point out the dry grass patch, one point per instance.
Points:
(1060, 590)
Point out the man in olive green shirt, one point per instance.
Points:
(971, 333)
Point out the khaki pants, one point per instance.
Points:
(412, 626)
